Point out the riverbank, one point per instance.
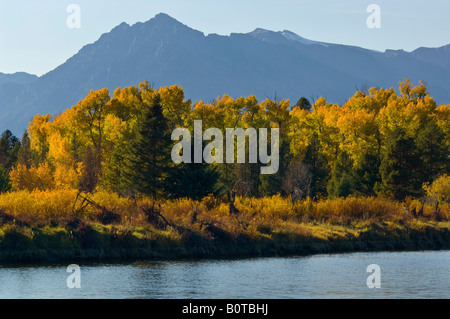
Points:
(56, 226)
(97, 242)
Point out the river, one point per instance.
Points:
(422, 274)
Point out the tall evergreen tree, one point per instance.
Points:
(341, 183)
(24, 154)
(434, 153)
(9, 148)
(366, 174)
(401, 167)
(113, 171)
(5, 184)
(149, 160)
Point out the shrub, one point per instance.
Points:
(439, 190)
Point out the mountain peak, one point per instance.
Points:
(164, 16)
(164, 19)
(164, 24)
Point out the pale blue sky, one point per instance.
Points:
(34, 36)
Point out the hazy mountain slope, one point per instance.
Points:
(17, 78)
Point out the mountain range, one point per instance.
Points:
(264, 63)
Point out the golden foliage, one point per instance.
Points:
(40, 177)
(439, 189)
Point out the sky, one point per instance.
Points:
(35, 37)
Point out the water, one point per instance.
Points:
(403, 275)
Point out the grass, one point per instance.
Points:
(46, 225)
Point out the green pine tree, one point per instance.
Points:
(148, 162)
(113, 171)
(341, 183)
(401, 167)
(5, 184)
(193, 180)
(434, 153)
(304, 104)
(366, 174)
(25, 156)
(9, 149)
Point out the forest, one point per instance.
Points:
(376, 144)
(381, 156)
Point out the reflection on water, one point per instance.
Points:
(403, 275)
